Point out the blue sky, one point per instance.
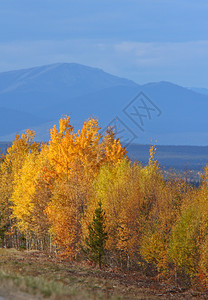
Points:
(143, 40)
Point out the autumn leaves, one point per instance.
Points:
(54, 196)
(74, 161)
(45, 189)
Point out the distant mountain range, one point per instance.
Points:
(162, 112)
(202, 91)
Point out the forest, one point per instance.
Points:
(80, 197)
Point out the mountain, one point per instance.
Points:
(37, 89)
(162, 111)
(202, 91)
(12, 120)
(183, 120)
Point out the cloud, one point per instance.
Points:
(163, 53)
(185, 63)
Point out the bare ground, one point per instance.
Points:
(33, 275)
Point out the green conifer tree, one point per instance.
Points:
(97, 237)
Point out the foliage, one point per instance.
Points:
(184, 243)
(97, 236)
(53, 196)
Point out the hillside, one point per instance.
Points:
(38, 97)
(44, 276)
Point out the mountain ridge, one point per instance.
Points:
(48, 92)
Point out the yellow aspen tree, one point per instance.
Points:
(201, 199)
(163, 200)
(30, 196)
(10, 168)
(113, 150)
(75, 160)
(117, 188)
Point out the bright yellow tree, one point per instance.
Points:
(10, 168)
(30, 197)
(74, 162)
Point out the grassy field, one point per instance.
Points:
(35, 275)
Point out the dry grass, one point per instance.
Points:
(35, 275)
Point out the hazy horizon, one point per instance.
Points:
(143, 40)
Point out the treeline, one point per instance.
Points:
(82, 198)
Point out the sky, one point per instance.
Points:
(142, 40)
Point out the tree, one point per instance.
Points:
(117, 187)
(185, 241)
(73, 163)
(97, 236)
(30, 197)
(10, 170)
(75, 160)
